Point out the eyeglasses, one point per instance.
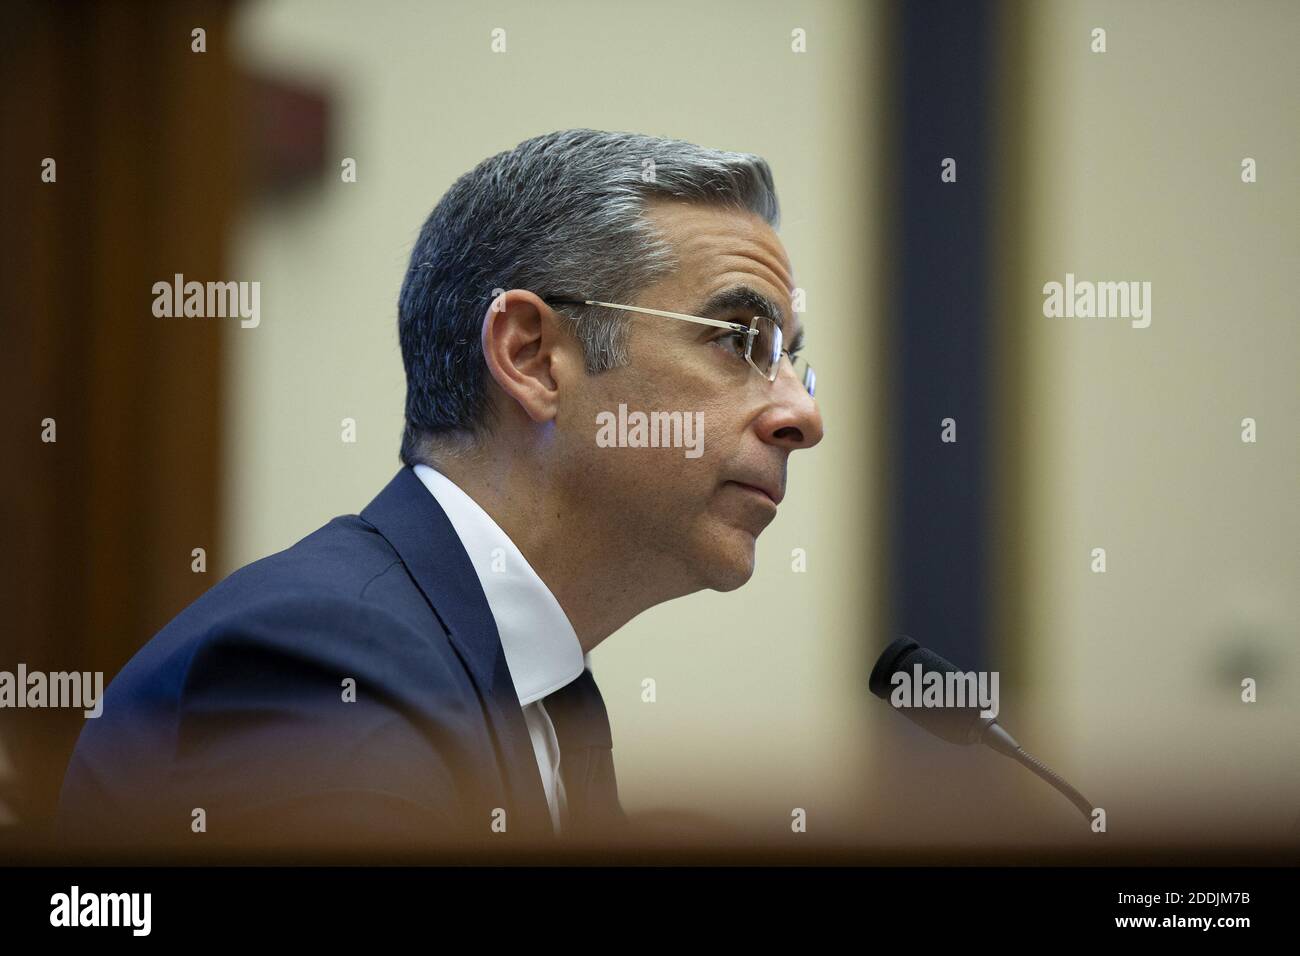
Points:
(759, 343)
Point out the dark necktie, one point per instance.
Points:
(581, 723)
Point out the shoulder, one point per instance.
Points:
(318, 670)
(340, 601)
(339, 604)
(342, 557)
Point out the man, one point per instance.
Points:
(416, 675)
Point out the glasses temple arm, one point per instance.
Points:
(735, 326)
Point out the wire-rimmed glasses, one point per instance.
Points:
(759, 342)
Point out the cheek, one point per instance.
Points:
(688, 468)
(721, 430)
(578, 420)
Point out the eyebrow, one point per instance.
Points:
(743, 298)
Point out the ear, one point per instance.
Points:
(524, 348)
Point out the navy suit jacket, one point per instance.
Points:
(238, 705)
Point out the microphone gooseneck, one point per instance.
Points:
(959, 725)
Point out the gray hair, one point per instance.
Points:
(563, 216)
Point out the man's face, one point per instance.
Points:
(692, 521)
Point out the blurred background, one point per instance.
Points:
(924, 303)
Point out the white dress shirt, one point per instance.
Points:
(541, 647)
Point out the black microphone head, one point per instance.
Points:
(890, 660)
(958, 725)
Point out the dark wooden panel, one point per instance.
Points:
(99, 526)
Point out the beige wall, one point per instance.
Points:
(759, 690)
(1132, 436)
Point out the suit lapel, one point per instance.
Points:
(413, 522)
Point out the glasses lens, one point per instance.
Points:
(805, 374)
(766, 351)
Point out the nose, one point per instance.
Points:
(792, 420)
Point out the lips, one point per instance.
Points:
(773, 494)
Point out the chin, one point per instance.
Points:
(732, 565)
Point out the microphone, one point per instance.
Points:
(959, 725)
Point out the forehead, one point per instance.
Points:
(718, 248)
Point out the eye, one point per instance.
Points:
(733, 342)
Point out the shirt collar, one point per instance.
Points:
(541, 646)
